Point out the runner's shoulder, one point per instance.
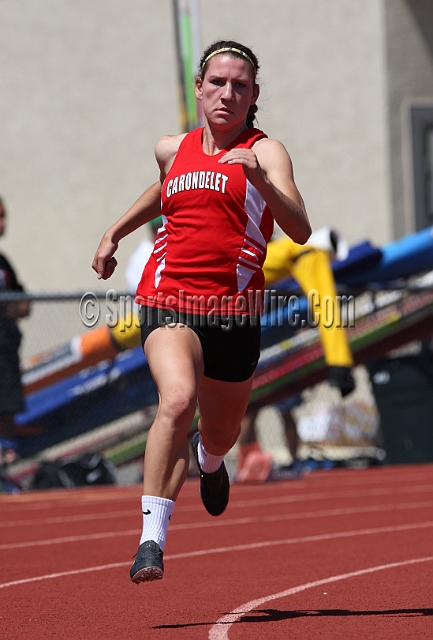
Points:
(167, 147)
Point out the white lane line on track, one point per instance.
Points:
(329, 478)
(46, 500)
(324, 495)
(82, 538)
(239, 547)
(332, 480)
(42, 500)
(77, 518)
(63, 574)
(222, 523)
(220, 629)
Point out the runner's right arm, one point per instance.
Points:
(145, 209)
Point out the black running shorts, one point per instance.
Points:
(231, 345)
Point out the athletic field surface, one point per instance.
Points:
(342, 553)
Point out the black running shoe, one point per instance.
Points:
(148, 563)
(214, 487)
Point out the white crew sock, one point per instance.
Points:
(208, 462)
(156, 518)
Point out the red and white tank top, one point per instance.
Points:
(209, 253)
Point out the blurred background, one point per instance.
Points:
(89, 88)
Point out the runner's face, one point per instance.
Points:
(227, 90)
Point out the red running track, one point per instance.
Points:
(336, 554)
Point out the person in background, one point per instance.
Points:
(255, 465)
(311, 266)
(11, 391)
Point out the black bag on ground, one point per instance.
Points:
(88, 470)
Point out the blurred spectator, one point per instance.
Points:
(11, 391)
(254, 465)
(311, 266)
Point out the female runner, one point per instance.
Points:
(220, 189)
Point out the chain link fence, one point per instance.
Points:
(88, 390)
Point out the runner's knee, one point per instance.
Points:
(221, 438)
(178, 406)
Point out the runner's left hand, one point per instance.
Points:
(248, 159)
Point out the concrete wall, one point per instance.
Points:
(324, 96)
(409, 26)
(88, 88)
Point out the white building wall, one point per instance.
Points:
(89, 87)
(409, 27)
(324, 95)
(87, 90)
